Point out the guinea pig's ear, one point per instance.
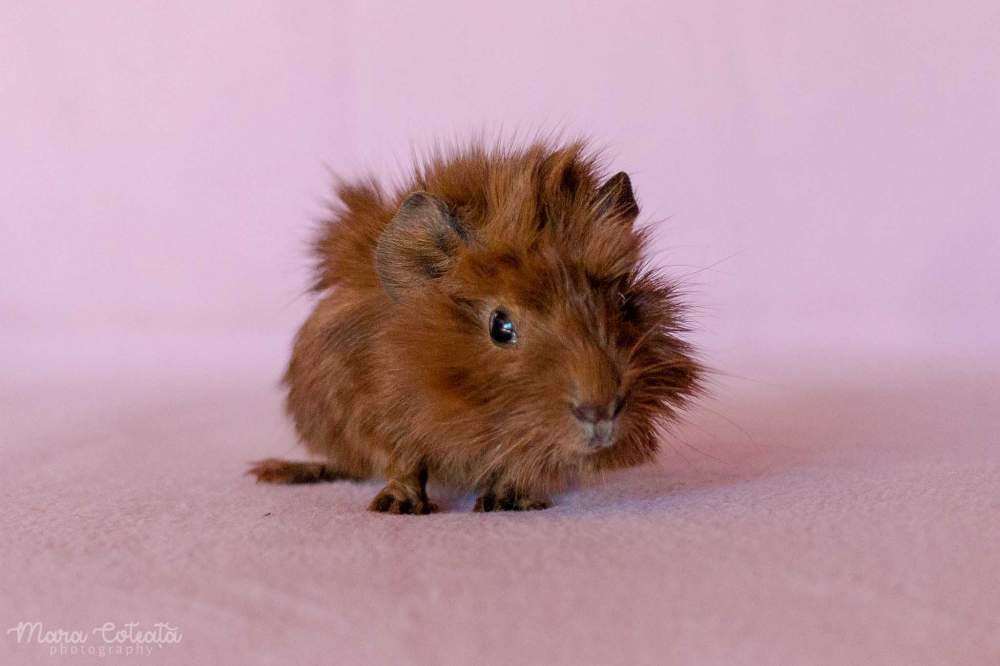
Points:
(615, 198)
(419, 244)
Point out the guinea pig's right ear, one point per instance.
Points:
(419, 244)
(616, 199)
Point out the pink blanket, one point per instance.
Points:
(839, 513)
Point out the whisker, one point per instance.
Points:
(695, 448)
(642, 339)
(728, 420)
(710, 266)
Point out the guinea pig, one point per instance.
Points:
(492, 325)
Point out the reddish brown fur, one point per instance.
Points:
(410, 384)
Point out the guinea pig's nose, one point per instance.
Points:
(597, 421)
(592, 412)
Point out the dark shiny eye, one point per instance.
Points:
(502, 328)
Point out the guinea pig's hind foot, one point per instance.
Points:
(274, 470)
(510, 501)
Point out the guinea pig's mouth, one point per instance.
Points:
(596, 436)
(599, 435)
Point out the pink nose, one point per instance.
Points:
(592, 412)
(597, 421)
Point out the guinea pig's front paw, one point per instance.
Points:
(393, 499)
(490, 501)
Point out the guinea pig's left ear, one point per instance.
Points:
(419, 244)
(615, 198)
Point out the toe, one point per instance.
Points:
(532, 504)
(382, 503)
(425, 507)
(507, 503)
(485, 503)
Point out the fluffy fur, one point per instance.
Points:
(395, 374)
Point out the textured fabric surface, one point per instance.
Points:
(846, 512)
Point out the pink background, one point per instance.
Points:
(824, 178)
(833, 163)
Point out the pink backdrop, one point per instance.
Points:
(824, 175)
(824, 172)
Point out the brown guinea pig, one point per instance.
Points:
(490, 325)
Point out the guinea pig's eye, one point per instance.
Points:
(502, 328)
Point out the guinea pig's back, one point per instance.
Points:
(329, 376)
(344, 248)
